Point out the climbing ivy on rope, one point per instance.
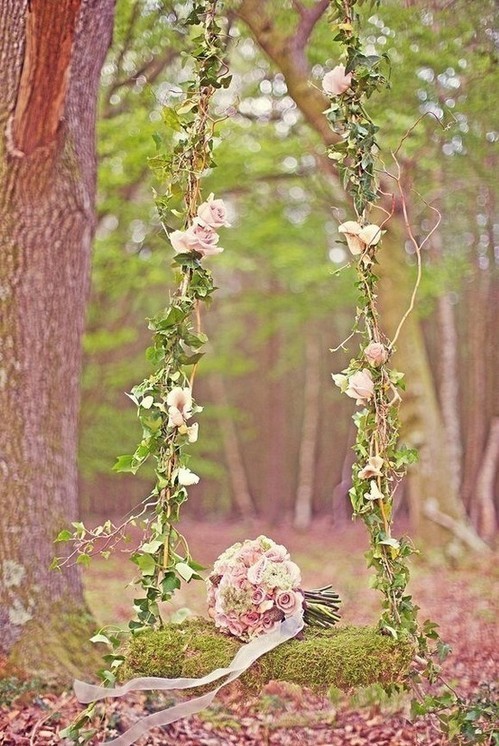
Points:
(166, 409)
(381, 460)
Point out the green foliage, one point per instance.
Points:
(465, 721)
(164, 559)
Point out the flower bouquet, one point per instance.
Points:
(254, 586)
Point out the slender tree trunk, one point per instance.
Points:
(241, 496)
(484, 499)
(430, 487)
(309, 433)
(449, 386)
(50, 55)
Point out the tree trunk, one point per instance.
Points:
(486, 514)
(430, 485)
(241, 496)
(309, 433)
(51, 55)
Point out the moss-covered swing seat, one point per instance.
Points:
(343, 657)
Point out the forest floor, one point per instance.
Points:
(461, 597)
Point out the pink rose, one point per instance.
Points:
(360, 386)
(289, 602)
(250, 618)
(265, 606)
(257, 596)
(213, 213)
(235, 627)
(278, 553)
(335, 82)
(249, 556)
(197, 237)
(376, 354)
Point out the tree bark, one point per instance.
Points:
(51, 55)
(486, 518)
(241, 495)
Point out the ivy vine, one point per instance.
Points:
(164, 400)
(381, 459)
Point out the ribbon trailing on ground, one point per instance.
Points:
(243, 659)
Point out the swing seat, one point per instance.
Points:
(340, 657)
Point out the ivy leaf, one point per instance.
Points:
(172, 119)
(185, 572)
(145, 563)
(99, 637)
(63, 535)
(124, 463)
(151, 547)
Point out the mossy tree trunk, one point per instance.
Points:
(50, 55)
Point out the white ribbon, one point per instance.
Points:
(243, 659)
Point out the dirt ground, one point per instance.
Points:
(462, 599)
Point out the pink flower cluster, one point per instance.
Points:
(254, 585)
(201, 235)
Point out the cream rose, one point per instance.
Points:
(197, 237)
(213, 213)
(360, 386)
(179, 402)
(336, 82)
(372, 468)
(376, 354)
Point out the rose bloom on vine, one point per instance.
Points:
(179, 402)
(360, 386)
(376, 354)
(336, 81)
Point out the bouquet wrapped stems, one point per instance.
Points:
(321, 607)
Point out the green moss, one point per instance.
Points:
(57, 647)
(344, 657)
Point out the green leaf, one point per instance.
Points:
(83, 559)
(145, 562)
(185, 572)
(151, 547)
(123, 463)
(63, 535)
(171, 119)
(99, 637)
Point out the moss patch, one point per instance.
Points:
(344, 657)
(57, 648)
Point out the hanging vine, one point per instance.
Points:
(164, 400)
(381, 460)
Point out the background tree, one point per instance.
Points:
(275, 279)
(51, 57)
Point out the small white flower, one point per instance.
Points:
(370, 234)
(374, 493)
(351, 231)
(372, 468)
(179, 402)
(192, 432)
(186, 477)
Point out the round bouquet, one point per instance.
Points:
(254, 585)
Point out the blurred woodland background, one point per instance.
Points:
(276, 435)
